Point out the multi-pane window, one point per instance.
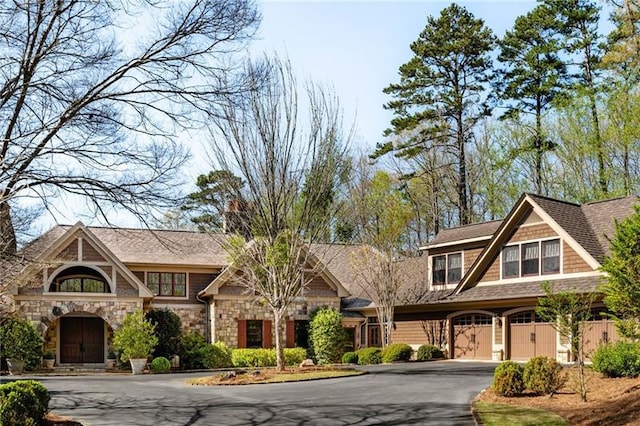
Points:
(167, 283)
(447, 268)
(254, 334)
(81, 285)
(530, 259)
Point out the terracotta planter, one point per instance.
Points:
(138, 365)
(16, 366)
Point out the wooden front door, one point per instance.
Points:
(81, 340)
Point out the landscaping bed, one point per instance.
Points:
(609, 401)
(271, 375)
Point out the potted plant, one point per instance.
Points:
(135, 340)
(48, 359)
(20, 344)
(111, 359)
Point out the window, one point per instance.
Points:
(510, 262)
(551, 257)
(531, 259)
(80, 280)
(254, 334)
(447, 269)
(167, 283)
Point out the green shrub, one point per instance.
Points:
(192, 351)
(160, 365)
(168, 330)
(327, 336)
(217, 355)
(369, 356)
(350, 358)
(619, 359)
(135, 338)
(294, 356)
(396, 352)
(507, 379)
(23, 402)
(253, 357)
(429, 352)
(543, 375)
(20, 340)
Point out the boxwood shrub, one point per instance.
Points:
(266, 357)
(23, 402)
(294, 356)
(369, 356)
(160, 365)
(429, 352)
(619, 359)
(543, 375)
(397, 352)
(507, 379)
(350, 358)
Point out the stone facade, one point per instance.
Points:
(193, 317)
(226, 313)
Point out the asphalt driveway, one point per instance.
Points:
(432, 393)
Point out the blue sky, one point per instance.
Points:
(357, 46)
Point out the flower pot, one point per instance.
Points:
(48, 362)
(16, 366)
(137, 365)
(111, 363)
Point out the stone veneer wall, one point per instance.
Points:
(193, 317)
(226, 313)
(41, 315)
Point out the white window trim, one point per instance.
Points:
(446, 283)
(519, 244)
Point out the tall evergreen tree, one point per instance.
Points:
(532, 77)
(441, 93)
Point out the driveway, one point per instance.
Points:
(432, 393)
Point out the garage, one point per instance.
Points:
(472, 336)
(601, 329)
(530, 336)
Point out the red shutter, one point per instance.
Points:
(291, 334)
(242, 333)
(267, 338)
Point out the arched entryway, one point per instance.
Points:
(79, 338)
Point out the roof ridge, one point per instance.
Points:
(610, 200)
(472, 224)
(545, 197)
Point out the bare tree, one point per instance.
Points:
(94, 93)
(291, 161)
(378, 275)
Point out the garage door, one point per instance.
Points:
(472, 337)
(529, 336)
(601, 329)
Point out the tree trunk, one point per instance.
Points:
(277, 325)
(8, 242)
(463, 205)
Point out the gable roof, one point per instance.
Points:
(144, 246)
(465, 233)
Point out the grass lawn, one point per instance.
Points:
(273, 376)
(503, 414)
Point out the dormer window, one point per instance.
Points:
(531, 259)
(447, 269)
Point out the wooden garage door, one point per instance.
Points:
(472, 337)
(599, 330)
(529, 336)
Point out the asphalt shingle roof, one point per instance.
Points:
(465, 232)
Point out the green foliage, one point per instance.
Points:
(266, 357)
(350, 358)
(507, 379)
(543, 375)
(622, 287)
(217, 355)
(396, 352)
(20, 340)
(327, 336)
(160, 365)
(619, 359)
(368, 356)
(192, 351)
(429, 352)
(168, 330)
(23, 403)
(135, 338)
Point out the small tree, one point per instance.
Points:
(568, 313)
(622, 287)
(168, 330)
(135, 338)
(20, 340)
(327, 335)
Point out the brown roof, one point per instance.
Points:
(601, 216)
(465, 232)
